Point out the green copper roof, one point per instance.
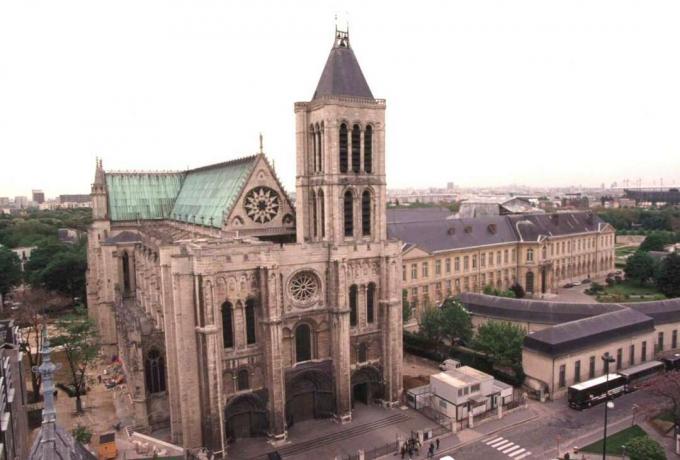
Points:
(208, 193)
(135, 196)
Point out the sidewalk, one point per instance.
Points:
(452, 441)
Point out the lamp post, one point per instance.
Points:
(607, 360)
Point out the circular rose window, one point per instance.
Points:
(303, 287)
(262, 204)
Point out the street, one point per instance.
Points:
(557, 424)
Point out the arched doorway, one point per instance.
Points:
(309, 395)
(245, 417)
(366, 386)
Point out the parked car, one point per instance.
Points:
(568, 285)
(576, 283)
(586, 281)
(447, 457)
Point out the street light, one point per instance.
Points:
(607, 359)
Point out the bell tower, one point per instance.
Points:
(340, 145)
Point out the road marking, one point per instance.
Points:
(507, 451)
(502, 440)
(502, 445)
(508, 448)
(516, 453)
(489, 441)
(523, 455)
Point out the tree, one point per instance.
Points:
(82, 434)
(656, 241)
(405, 306)
(667, 386)
(431, 326)
(40, 258)
(80, 343)
(31, 317)
(668, 275)
(10, 271)
(502, 342)
(455, 322)
(518, 290)
(644, 448)
(640, 267)
(66, 274)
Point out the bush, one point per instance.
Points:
(518, 290)
(645, 448)
(82, 434)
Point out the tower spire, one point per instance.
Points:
(261, 144)
(46, 371)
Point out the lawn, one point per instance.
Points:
(615, 441)
(628, 291)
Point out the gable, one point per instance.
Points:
(262, 202)
(414, 252)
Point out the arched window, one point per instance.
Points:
(370, 302)
(356, 148)
(303, 343)
(312, 205)
(126, 273)
(322, 213)
(242, 379)
(250, 321)
(529, 282)
(353, 305)
(312, 148)
(319, 147)
(349, 213)
(227, 325)
(366, 213)
(154, 372)
(530, 255)
(343, 148)
(362, 353)
(368, 149)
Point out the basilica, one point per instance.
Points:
(234, 312)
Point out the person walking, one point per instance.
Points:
(430, 451)
(437, 443)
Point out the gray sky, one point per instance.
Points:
(478, 92)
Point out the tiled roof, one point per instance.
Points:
(575, 335)
(404, 215)
(663, 311)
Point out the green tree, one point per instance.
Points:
(82, 434)
(518, 290)
(655, 242)
(502, 342)
(80, 342)
(405, 306)
(455, 322)
(10, 271)
(668, 275)
(431, 326)
(640, 267)
(644, 448)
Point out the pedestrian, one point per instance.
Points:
(437, 443)
(403, 451)
(430, 451)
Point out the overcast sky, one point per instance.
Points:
(478, 93)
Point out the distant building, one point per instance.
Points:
(24, 254)
(69, 235)
(38, 196)
(4, 201)
(74, 201)
(20, 202)
(497, 207)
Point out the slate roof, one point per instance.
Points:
(448, 234)
(529, 227)
(535, 311)
(575, 335)
(202, 196)
(124, 237)
(403, 215)
(342, 75)
(663, 311)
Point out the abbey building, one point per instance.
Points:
(236, 314)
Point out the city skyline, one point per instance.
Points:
(537, 95)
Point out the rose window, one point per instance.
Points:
(262, 204)
(304, 286)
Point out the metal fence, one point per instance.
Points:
(376, 452)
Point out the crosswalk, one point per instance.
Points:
(507, 447)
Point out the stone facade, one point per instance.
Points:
(240, 325)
